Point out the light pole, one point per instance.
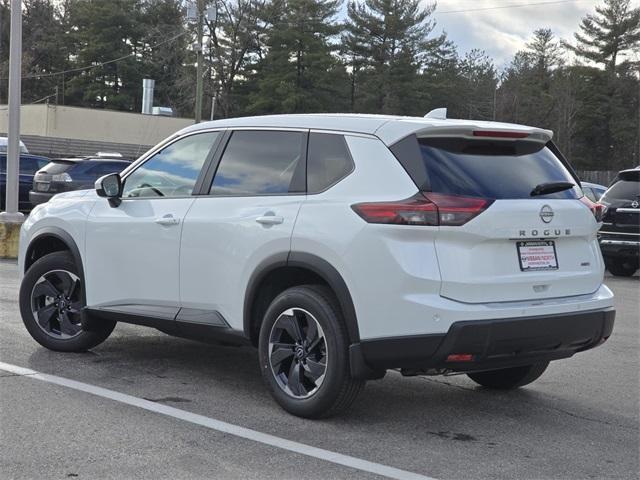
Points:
(200, 60)
(11, 213)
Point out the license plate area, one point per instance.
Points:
(537, 255)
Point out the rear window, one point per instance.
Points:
(623, 190)
(492, 169)
(103, 168)
(57, 166)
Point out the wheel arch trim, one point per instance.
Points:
(315, 264)
(61, 235)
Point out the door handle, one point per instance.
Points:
(167, 220)
(270, 219)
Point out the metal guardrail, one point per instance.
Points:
(601, 177)
(68, 147)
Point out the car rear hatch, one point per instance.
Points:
(51, 178)
(519, 244)
(622, 202)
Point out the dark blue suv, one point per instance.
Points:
(66, 174)
(29, 165)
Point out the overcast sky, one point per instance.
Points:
(501, 32)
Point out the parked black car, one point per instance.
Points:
(66, 174)
(29, 165)
(620, 232)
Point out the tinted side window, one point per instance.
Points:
(328, 162)
(28, 166)
(258, 163)
(173, 171)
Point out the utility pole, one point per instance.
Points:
(11, 213)
(200, 60)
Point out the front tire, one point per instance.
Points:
(509, 378)
(51, 301)
(303, 350)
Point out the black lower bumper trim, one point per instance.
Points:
(492, 343)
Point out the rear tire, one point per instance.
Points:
(508, 378)
(304, 357)
(51, 301)
(621, 268)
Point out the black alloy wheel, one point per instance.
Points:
(52, 302)
(56, 304)
(304, 353)
(298, 353)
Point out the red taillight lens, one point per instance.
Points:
(460, 357)
(499, 134)
(596, 208)
(416, 210)
(428, 209)
(456, 210)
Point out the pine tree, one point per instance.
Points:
(604, 38)
(300, 73)
(387, 43)
(545, 51)
(104, 31)
(613, 31)
(237, 39)
(44, 50)
(163, 53)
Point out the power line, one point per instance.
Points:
(519, 5)
(101, 64)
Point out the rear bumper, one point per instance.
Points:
(492, 344)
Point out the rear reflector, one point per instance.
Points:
(460, 357)
(425, 209)
(499, 134)
(597, 209)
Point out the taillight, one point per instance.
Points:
(457, 210)
(426, 209)
(597, 209)
(499, 134)
(62, 177)
(416, 210)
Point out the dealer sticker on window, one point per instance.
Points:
(537, 255)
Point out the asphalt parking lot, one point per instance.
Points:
(580, 420)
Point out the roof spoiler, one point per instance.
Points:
(498, 132)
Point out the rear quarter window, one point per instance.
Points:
(492, 168)
(328, 162)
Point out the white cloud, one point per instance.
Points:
(502, 32)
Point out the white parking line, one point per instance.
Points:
(219, 425)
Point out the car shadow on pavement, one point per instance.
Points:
(207, 377)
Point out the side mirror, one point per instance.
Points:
(110, 187)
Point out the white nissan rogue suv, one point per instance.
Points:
(340, 245)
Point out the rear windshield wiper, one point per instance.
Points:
(550, 187)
